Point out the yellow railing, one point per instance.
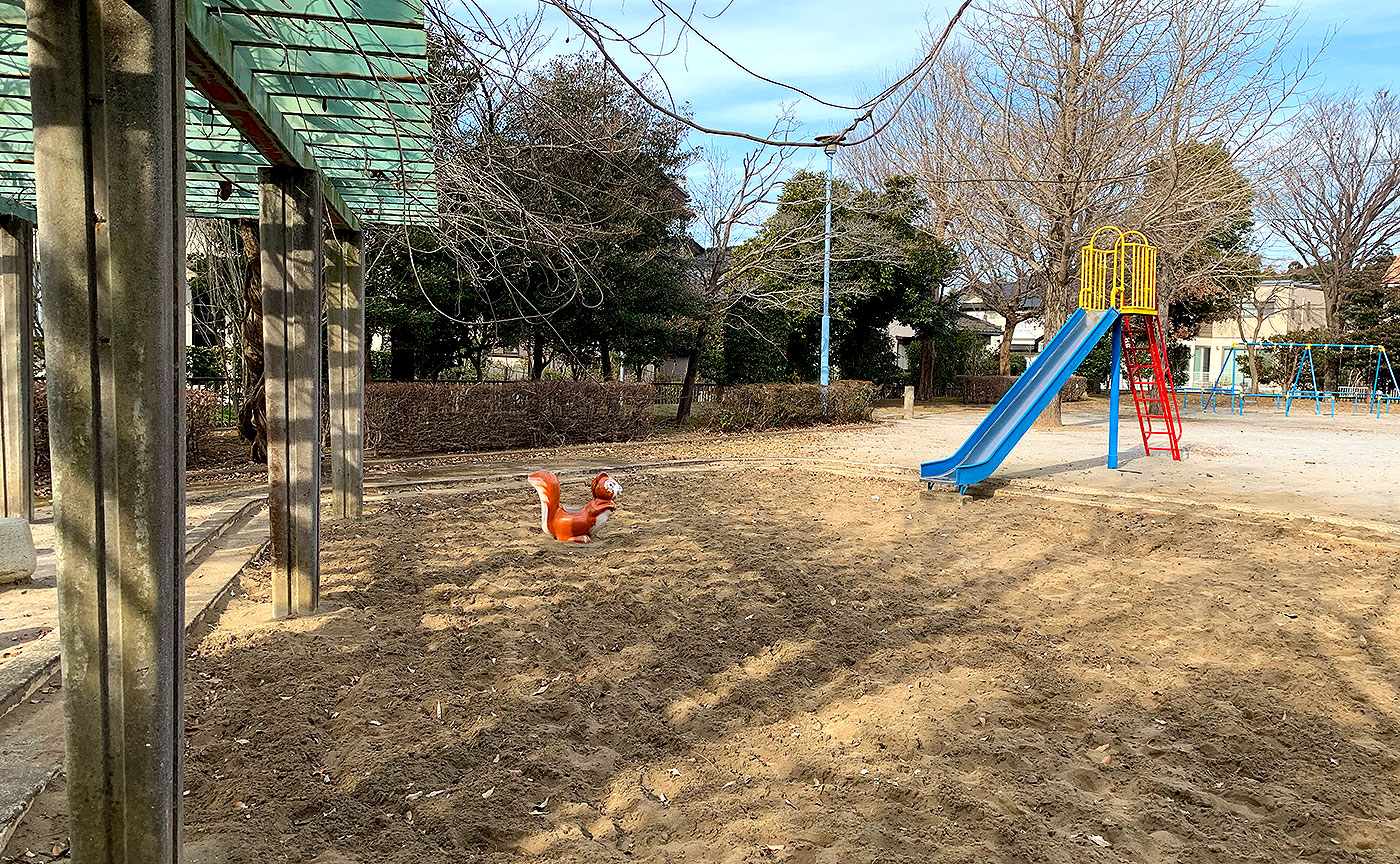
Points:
(1123, 276)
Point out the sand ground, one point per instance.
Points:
(794, 666)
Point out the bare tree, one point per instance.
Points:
(1012, 300)
(1054, 117)
(779, 266)
(1332, 191)
(728, 206)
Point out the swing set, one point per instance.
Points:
(1377, 393)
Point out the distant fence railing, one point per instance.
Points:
(669, 393)
(230, 393)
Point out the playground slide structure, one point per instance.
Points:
(1118, 290)
(983, 451)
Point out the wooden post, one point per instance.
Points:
(17, 366)
(292, 265)
(908, 403)
(345, 335)
(107, 84)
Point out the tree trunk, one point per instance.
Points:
(1331, 301)
(252, 414)
(1051, 415)
(1253, 355)
(1004, 351)
(401, 360)
(692, 371)
(536, 359)
(607, 367)
(928, 354)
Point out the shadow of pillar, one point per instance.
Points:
(290, 231)
(107, 90)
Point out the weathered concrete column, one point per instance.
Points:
(17, 367)
(345, 353)
(908, 403)
(108, 93)
(290, 231)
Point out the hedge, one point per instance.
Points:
(751, 407)
(202, 408)
(407, 418)
(988, 389)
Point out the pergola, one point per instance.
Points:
(118, 119)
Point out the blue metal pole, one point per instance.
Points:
(1234, 388)
(1113, 392)
(826, 288)
(1376, 384)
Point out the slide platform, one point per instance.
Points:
(983, 451)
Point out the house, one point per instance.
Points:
(1029, 335)
(1392, 274)
(1276, 307)
(903, 335)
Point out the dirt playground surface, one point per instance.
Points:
(759, 666)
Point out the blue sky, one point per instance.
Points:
(842, 50)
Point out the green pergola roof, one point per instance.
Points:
(337, 85)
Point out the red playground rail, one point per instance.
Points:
(1150, 379)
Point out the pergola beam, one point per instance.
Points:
(215, 66)
(18, 209)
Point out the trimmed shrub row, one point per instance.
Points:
(751, 407)
(988, 389)
(202, 409)
(438, 417)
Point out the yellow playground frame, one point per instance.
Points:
(1122, 276)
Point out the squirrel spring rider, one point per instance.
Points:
(574, 526)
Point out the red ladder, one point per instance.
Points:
(1145, 366)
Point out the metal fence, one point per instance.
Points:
(669, 393)
(230, 392)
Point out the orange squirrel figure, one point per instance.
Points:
(574, 526)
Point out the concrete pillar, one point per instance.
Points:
(908, 403)
(16, 367)
(108, 89)
(345, 353)
(290, 231)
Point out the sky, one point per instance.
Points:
(844, 50)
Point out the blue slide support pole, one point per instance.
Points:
(1113, 393)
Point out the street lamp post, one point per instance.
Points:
(831, 142)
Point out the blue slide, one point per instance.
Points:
(984, 450)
